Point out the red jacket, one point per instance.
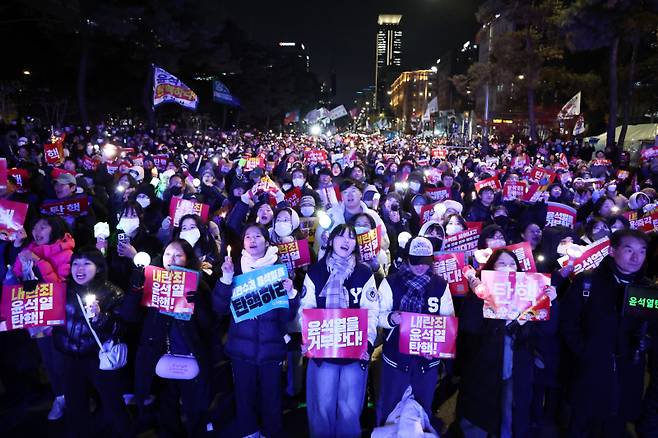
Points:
(55, 259)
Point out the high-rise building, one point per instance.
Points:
(296, 53)
(409, 96)
(388, 56)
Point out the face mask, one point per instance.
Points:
(286, 187)
(501, 220)
(128, 224)
(414, 186)
(563, 247)
(379, 171)
(192, 236)
(176, 190)
(90, 150)
(495, 243)
(307, 211)
(298, 182)
(143, 201)
(361, 230)
(453, 229)
(506, 269)
(612, 188)
(283, 229)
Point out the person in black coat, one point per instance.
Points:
(256, 346)
(480, 210)
(607, 348)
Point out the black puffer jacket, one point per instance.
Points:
(74, 337)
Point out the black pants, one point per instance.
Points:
(82, 373)
(195, 397)
(258, 391)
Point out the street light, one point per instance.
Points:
(27, 72)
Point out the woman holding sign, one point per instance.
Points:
(256, 344)
(336, 386)
(413, 289)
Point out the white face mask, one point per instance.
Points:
(298, 182)
(283, 229)
(414, 186)
(192, 236)
(506, 269)
(144, 201)
(453, 229)
(128, 224)
(361, 230)
(307, 211)
(496, 243)
(286, 187)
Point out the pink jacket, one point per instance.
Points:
(55, 259)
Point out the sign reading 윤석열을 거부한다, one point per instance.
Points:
(168, 88)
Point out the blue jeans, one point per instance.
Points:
(334, 396)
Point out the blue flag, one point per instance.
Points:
(221, 94)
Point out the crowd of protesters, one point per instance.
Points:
(582, 372)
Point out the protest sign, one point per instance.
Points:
(646, 223)
(523, 253)
(541, 175)
(369, 243)
(294, 196)
(42, 307)
(89, 163)
(438, 194)
(54, 152)
(514, 190)
(516, 295)
(167, 290)
(448, 265)
(492, 182)
(308, 226)
(295, 254)
(427, 212)
(641, 302)
(623, 174)
(179, 207)
(12, 217)
(251, 163)
(535, 193)
(20, 176)
(431, 335)
(592, 256)
(3, 173)
(313, 156)
(440, 153)
(466, 240)
(71, 207)
(257, 292)
(649, 153)
(560, 214)
(335, 333)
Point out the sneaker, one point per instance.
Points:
(57, 410)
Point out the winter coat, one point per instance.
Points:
(55, 259)
(478, 212)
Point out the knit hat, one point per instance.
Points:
(420, 251)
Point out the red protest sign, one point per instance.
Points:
(427, 213)
(560, 214)
(520, 161)
(54, 152)
(463, 241)
(21, 176)
(440, 153)
(431, 335)
(369, 243)
(160, 161)
(449, 267)
(42, 307)
(438, 194)
(294, 196)
(166, 290)
(295, 254)
(649, 153)
(492, 182)
(77, 206)
(647, 223)
(515, 295)
(89, 163)
(535, 193)
(315, 156)
(335, 333)
(180, 207)
(514, 190)
(138, 160)
(592, 256)
(3, 173)
(253, 162)
(539, 175)
(600, 162)
(12, 217)
(523, 253)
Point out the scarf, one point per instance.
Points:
(415, 286)
(249, 263)
(340, 270)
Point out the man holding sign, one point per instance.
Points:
(413, 346)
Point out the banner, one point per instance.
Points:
(369, 243)
(571, 108)
(516, 295)
(492, 182)
(179, 207)
(42, 307)
(12, 218)
(514, 190)
(523, 253)
(438, 194)
(335, 333)
(166, 290)
(77, 206)
(448, 265)
(647, 223)
(579, 127)
(291, 117)
(338, 112)
(440, 153)
(294, 197)
(432, 107)
(427, 212)
(54, 152)
(313, 156)
(89, 163)
(466, 240)
(257, 292)
(641, 302)
(294, 254)
(592, 256)
(168, 88)
(221, 94)
(560, 214)
(430, 335)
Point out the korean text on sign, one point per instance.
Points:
(430, 335)
(335, 333)
(560, 214)
(180, 207)
(166, 290)
(258, 292)
(295, 254)
(515, 295)
(42, 307)
(449, 267)
(523, 253)
(591, 257)
(369, 243)
(641, 302)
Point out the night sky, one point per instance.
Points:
(340, 34)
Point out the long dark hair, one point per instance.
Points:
(338, 231)
(206, 243)
(96, 257)
(489, 266)
(192, 260)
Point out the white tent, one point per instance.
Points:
(635, 136)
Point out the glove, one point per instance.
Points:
(192, 297)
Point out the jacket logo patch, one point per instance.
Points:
(356, 293)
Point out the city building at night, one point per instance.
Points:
(388, 55)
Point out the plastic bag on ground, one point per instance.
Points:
(407, 420)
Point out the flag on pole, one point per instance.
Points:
(168, 88)
(571, 108)
(291, 117)
(337, 112)
(579, 128)
(221, 94)
(354, 112)
(316, 115)
(432, 107)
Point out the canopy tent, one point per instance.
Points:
(636, 135)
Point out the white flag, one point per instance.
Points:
(337, 112)
(571, 108)
(579, 128)
(168, 88)
(432, 107)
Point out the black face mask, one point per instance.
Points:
(176, 190)
(501, 220)
(436, 243)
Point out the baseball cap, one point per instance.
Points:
(66, 178)
(137, 172)
(421, 251)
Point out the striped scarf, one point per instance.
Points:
(340, 270)
(415, 286)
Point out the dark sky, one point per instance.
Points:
(340, 34)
